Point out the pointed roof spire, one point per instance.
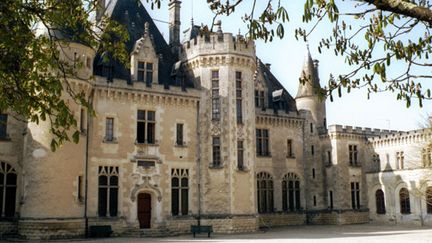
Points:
(309, 76)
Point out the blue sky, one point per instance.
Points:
(286, 56)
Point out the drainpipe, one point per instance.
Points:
(198, 163)
(90, 102)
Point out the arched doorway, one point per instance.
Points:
(144, 210)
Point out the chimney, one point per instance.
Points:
(100, 10)
(174, 22)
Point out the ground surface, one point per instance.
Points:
(335, 234)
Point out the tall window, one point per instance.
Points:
(290, 148)
(429, 200)
(239, 97)
(3, 126)
(352, 154)
(380, 202)
(355, 195)
(146, 124)
(265, 192)
(376, 162)
(291, 192)
(262, 142)
(404, 200)
(108, 191)
(145, 73)
(179, 191)
(400, 160)
(8, 184)
(179, 134)
(215, 95)
(329, 158)
(216, 151)
(259, 99)
(312, 150)
(311, 127)
(330, 202)
(109, 129)
(240, 155)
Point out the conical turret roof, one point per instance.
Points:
(309, 77)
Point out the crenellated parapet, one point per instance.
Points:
(367, 131)
(403, 138)
(212, 49)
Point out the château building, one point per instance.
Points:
(199, 130)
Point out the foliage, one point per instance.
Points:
(29, 87)
(373, 36)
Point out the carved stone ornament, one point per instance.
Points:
(215, 129)
(145, 185)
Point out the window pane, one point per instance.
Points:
(103, 180)
(149, 66)
(113, 201)
(10, 201)
(140, 132)
(151, 133)
(140, 65)
(184, 203)
(175, 182)
(151, 116)
(102, 205)
(11, 179)
(141, 115)
(140, 77)
(175, 201)
(184, 182)
(113, 181)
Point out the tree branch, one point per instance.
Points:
(405, 8)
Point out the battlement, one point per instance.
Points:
(360, 130)
(400, 136)
(217, 43)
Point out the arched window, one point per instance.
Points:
(265, 192)
(429, 200)
(380, 202)
(8, 183)
(291, 192)
(404, 201)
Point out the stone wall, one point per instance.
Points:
(281, 219)
(338, 217)
(50, 229)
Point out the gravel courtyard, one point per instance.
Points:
(335, 234)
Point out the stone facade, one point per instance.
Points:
(200, 132)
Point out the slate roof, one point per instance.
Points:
(287, 102)
(133, 16)
(310, 74)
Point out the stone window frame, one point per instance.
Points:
(9, 174)
(380, 204)
(113, 138)
(263, 148)
(216, 152)
(112, 186)
(215, 95)
(239, 96)
(353, 155)
(146, 121)
(400, 160)
(355, 195)
(265, 192)
(183, 187)
(404, 201)
(291, 192)
(145, 71)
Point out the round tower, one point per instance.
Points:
(308, 97)
(53, 182)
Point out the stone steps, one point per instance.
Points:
(144, 233)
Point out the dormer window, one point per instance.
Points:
(145, 73)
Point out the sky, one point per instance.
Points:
(286, 57)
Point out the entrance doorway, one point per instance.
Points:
(144, 210)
